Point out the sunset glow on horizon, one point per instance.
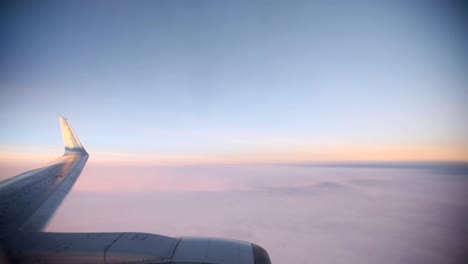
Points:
(313, 154)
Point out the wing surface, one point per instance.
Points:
(29, 200)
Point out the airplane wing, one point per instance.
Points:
(29, 200)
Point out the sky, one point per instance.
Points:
(326, 131)
(236, 81)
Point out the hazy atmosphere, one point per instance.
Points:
(299, 214)
(325, 131)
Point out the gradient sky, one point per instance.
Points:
(236, 80)
(177, 82)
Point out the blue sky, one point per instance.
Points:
(216, 77)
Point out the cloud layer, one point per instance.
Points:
(299, 214)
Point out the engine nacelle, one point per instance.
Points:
(215, 250)
(113, 248)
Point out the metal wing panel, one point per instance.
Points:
(41, 217)
(29, 203)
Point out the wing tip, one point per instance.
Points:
(70, 139)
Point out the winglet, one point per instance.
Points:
(70, 140)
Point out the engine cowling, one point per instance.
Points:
(118, 248)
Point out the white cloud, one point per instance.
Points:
(299, 214)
